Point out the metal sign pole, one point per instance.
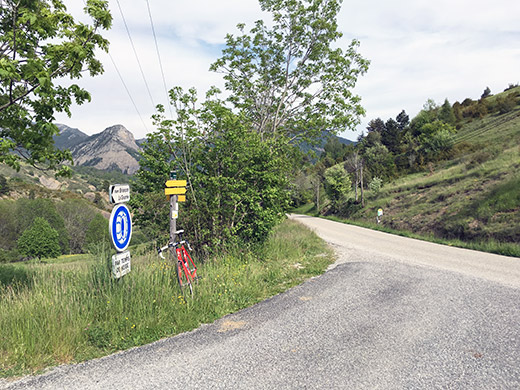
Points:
(173, 210)
(173, 217)
(176, 191)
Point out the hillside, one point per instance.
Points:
(466, 190)
(475, 196)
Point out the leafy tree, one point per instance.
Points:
(288, 79)
(427, 115)
(486, 93)
(8, 222)
(237, 182)
(446, 113)
(4, 186)
(287, 84)
(337, 185)
(29, 209)
(77, 215)
(39, 44)
(437, 140)
(39, 240)
(97, 233)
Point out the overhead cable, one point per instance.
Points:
(159, 57)
(124, 85)
(135, 53)
(128, 92)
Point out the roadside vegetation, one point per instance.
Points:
(468, 195)
(70, 309)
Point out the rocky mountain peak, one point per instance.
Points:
(120, 133)
(113, 148)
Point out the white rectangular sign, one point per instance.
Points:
(119, 193)
(120, 264)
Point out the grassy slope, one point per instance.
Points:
(473, 197)
(71, 310)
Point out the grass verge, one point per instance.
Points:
(51, 315)
(490, 246)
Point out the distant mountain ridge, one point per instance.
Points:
(68, 137)
(114, 148)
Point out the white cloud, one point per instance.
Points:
(418, 49)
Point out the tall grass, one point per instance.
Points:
(51, 315)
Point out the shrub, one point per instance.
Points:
(97, 233)
(375, 184)
(337, 185)
(40, 240)
(4, 187)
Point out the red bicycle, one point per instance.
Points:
(185, 269)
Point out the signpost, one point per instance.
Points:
(120, 264)
(379, 215)
(119, 193)
(120, 228)
(175, 191)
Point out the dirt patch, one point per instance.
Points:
(228, 325)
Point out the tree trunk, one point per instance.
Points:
(362, 194)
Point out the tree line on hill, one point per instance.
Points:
(40, 228)
(393, 148)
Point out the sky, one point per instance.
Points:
(418, 49)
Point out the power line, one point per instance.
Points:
(159, 57)
(135, 53)
(128, 92)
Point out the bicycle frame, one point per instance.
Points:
(185, 267)
(184, 258)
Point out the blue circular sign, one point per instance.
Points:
(120, 226)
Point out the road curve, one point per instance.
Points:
(392, 313)
(352, 241)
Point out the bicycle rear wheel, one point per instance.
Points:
(184, 279)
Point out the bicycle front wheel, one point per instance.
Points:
(183, 278)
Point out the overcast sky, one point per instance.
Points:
(419, 49)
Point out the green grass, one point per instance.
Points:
(66, 312)
(489, 246)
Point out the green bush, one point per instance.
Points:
(375, 184)
(9, 256)
(337, 185)
(4, 187)
(97, 233)
(29, 209)
(40, 240)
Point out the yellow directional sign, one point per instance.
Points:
(176, 183)
(180, 198)
(175, 191)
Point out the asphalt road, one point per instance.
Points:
(393, 313)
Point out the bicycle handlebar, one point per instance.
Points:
(172, 245)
